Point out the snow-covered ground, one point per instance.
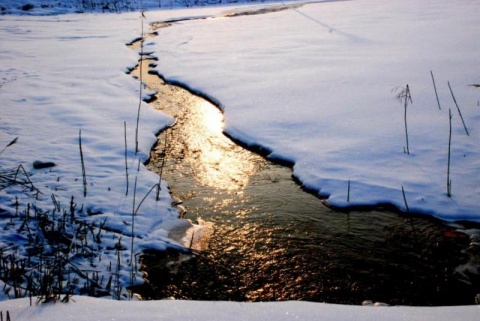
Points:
(315, 85)
(48, 7)
(90, 309)
(60, 75)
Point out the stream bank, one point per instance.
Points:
(260, 237)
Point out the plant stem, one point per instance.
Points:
(145, 197)
(9, 144)
(159, 187)
(133, 229)
(405, 201)
(407, 97)
(435, 87)
(348, 191)
(449, 182)
(458, 108)
(126, 160)
(84, 175)
(141, 86)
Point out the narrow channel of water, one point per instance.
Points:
(273, 241)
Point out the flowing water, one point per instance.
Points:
(273, 241)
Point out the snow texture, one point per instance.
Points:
(85, 308)
(63, 74)
(317, 86)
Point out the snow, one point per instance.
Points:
(49, 7)
(86, 308)
(315, 85)
(62, 74)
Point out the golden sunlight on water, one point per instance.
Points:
(271, 241)
(216, 161)
(196, 144)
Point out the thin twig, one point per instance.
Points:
(405, 201)
(348, 191)
(449, 181)
(159, 187)
(84, 175)
(145, 197)
(126, 160)
(407, 96)
(458, 108)
(141, 84)
(20, 167)
(133, 228)
(435, 87)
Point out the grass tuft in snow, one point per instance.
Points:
(16, 176)
(404, 97)
(54, 255)
(7, 316)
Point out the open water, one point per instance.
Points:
(272, 241)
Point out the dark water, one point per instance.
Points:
(276, 242)
(273, 241)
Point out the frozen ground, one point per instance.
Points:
(314, 85)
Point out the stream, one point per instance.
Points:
(269, 240)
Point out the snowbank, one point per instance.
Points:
(85, 308)
(60, 75)
(317, 86)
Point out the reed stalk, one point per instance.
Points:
(9, 144)
(159, 187)
(404, 97)
(435, 88)
(133, 229)
(141, 83)
(459, 111)
(348, 191)
(84, 175)
(407, 97)
(126, 157)
(405, 201)
(449, 181)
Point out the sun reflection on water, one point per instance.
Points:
(197, 143)
(272, 241)
(214, 159)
